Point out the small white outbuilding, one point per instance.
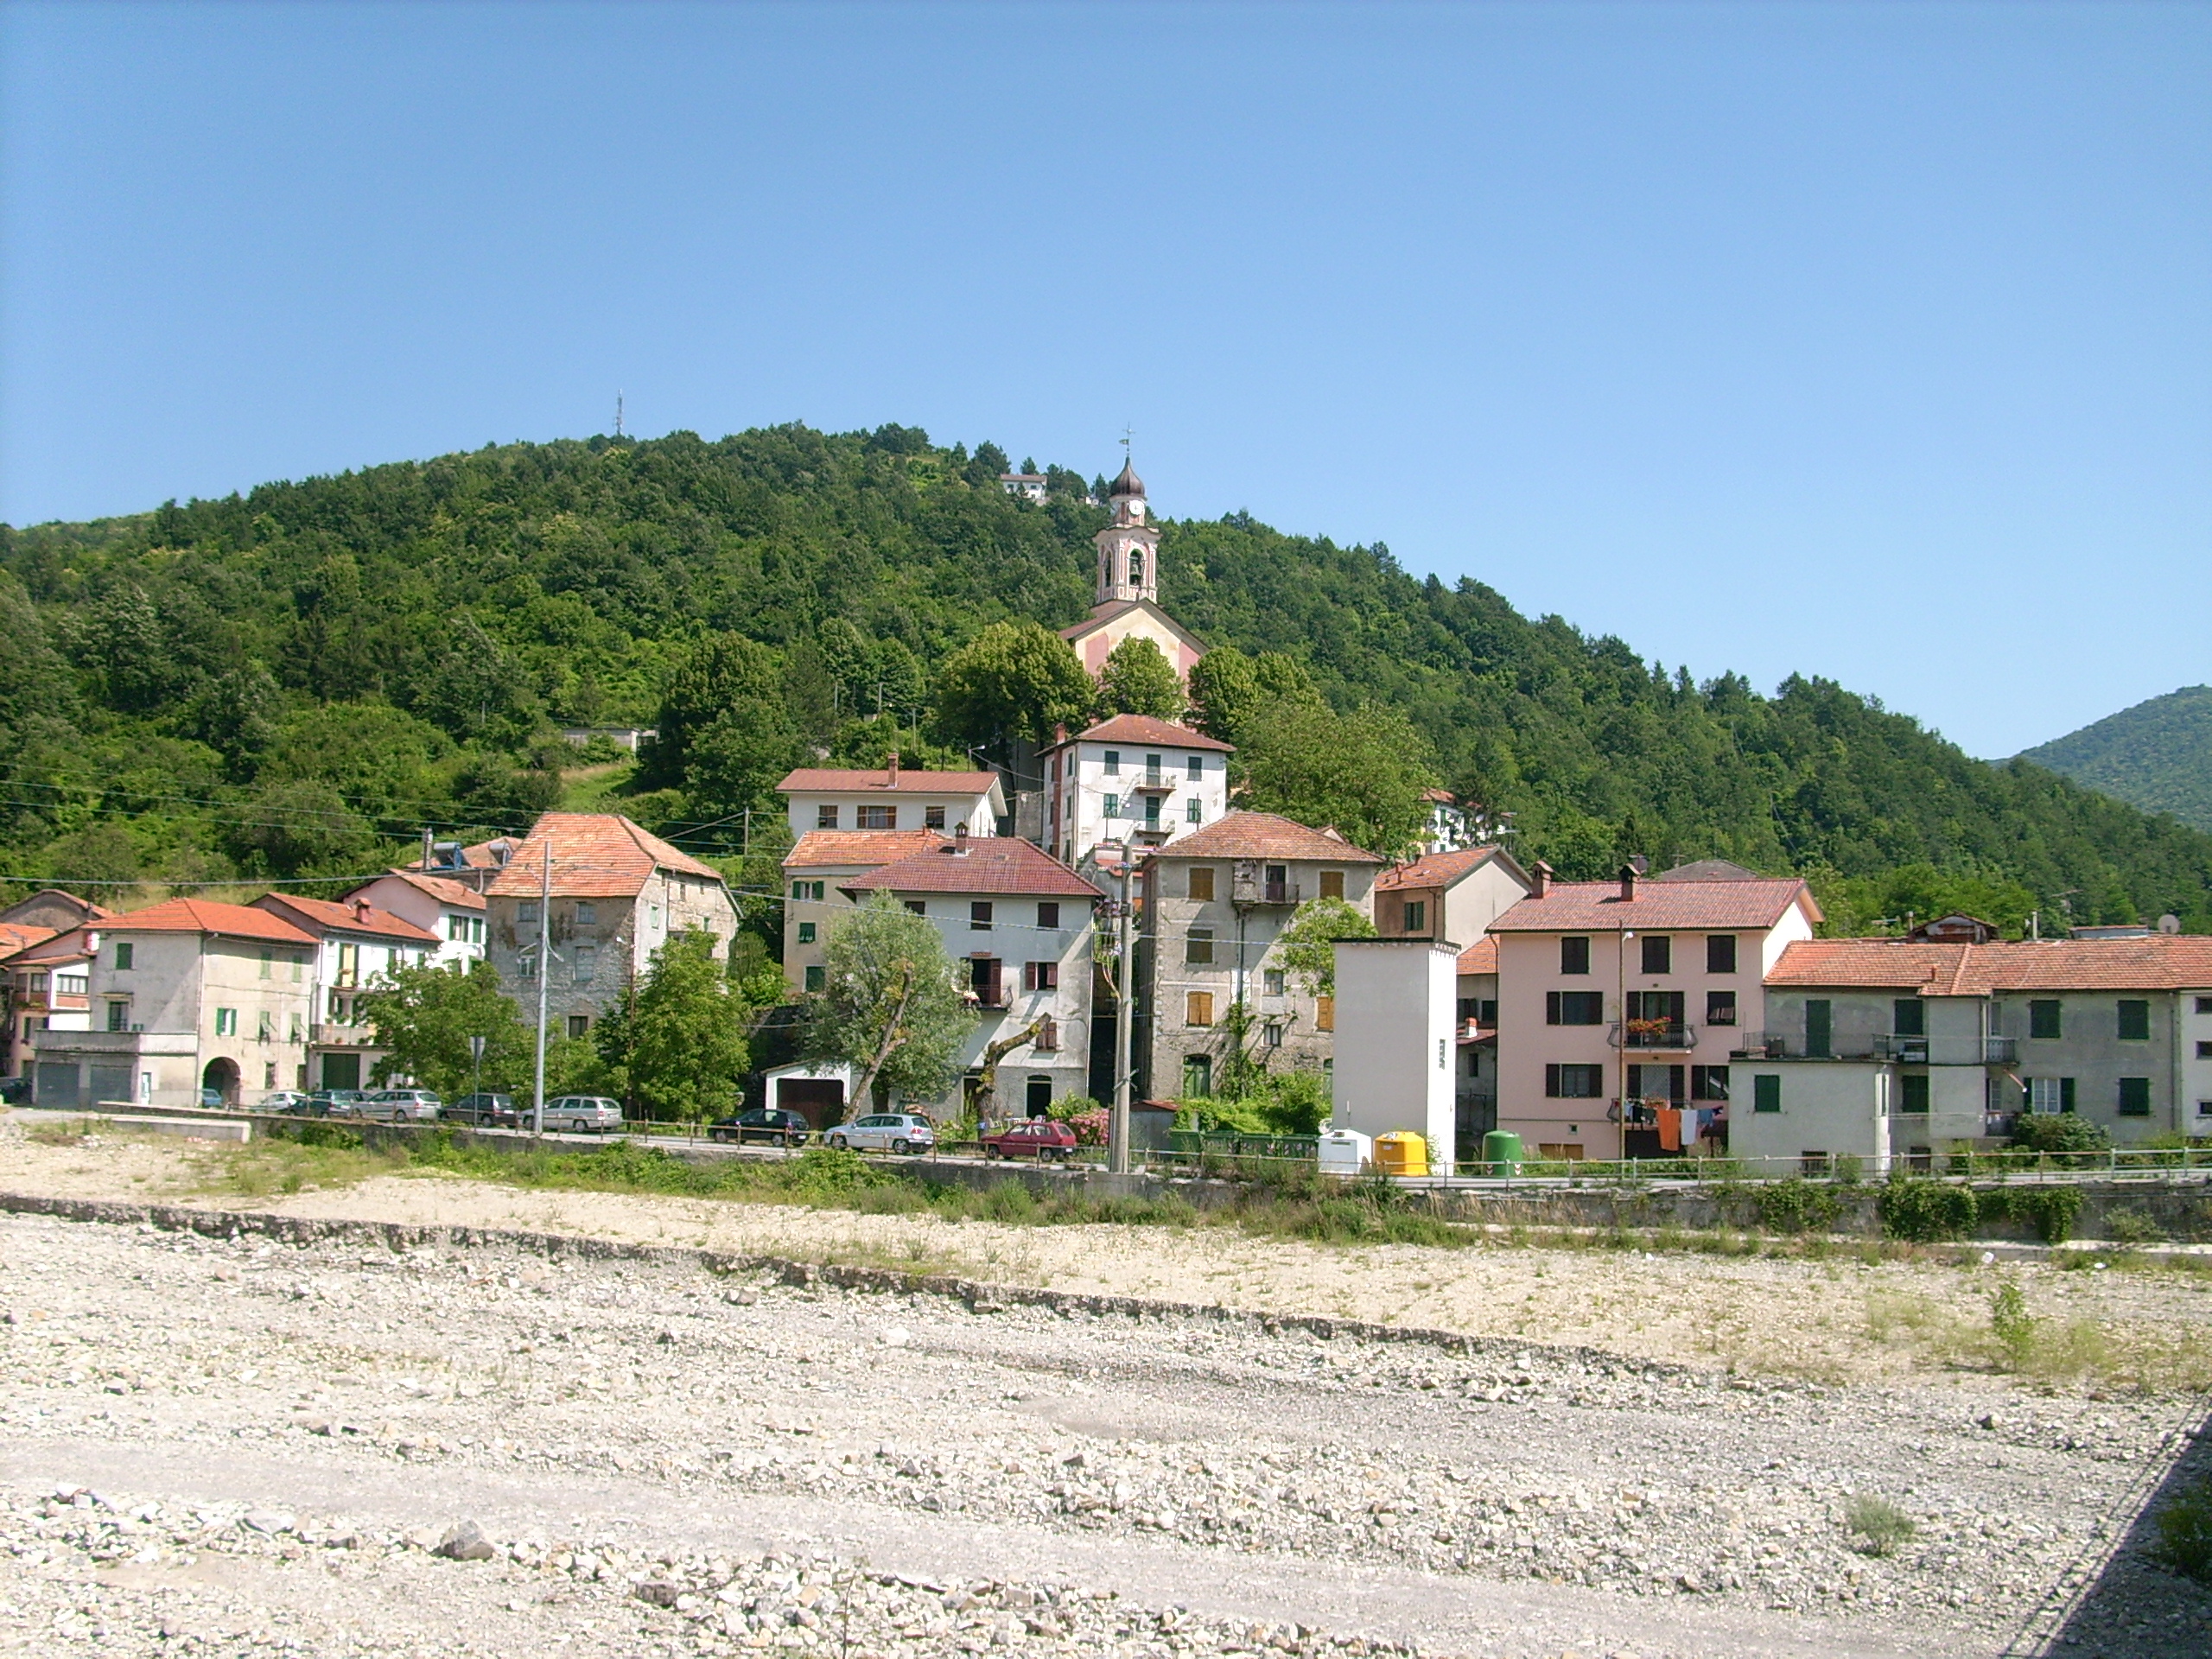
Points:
(1395, 1015)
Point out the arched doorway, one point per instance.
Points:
(222, 1076)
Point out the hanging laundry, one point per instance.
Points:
(1670, 1129)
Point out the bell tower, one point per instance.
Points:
(1129, 548)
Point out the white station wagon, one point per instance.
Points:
(582, 1115)
(885, 1132)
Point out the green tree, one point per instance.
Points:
(1364, 772)
(304, 829)
(1013, 680)
(1225, 690)
(1137, 679)
(686, 1053)
(714, 678)
(425, 1016)
(891, 1006)
(1304, 948)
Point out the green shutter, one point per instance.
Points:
(1912, 1093)
(2134, 1021)
(1819, 1028)
(1766, 1092)
(2135, 1096)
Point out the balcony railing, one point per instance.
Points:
(1654, 1035)
(1265, 892)
(1887, 1047)
(2000, 1051)
(1909, 1050)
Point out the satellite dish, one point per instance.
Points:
(2170, 923)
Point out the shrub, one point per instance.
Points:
(1876, 1525)
(1796, 1205)
(2059, 1133)
(1925, 1211)
(2186, 1533)
(2012, 1326)
(2131, 1226)
(2051, 1211)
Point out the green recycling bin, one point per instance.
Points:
(1502, 1154)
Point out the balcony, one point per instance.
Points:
(1244, 891)
(1152, 782)
(2000, 1051)
(1653, 1036)
(1759, 1046)
(1907, 1050)
(325, 1035)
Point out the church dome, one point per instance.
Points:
(1127, 483)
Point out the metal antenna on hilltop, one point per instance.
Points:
(618, 414)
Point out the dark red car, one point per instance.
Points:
(1036, 1137)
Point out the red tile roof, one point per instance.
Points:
(21, 936)
(1147, 728)
(1436, 869)
(978, 864)
(1265, 834)
(1480, 957)
(203, 916)
(2158, 963)
(816, 779)
(456, 893)
(858, 849)
(340, 916)
(1597, 906)
(55, 947)
(596, 855)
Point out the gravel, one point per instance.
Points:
(636, 1431)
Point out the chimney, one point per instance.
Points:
(892, 765)
(960, 832)
(1542, 873)
(360, 910)
(1059, 733)
(1627, 882)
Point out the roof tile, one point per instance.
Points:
(596, 855)
(817, 779)
(1480, 957)
(1149, 728)
(2158, 962)
(978, 864)
(858, 849)
(339, 916)
(1265, 834)
(1597, 906)
(204, 916)
(1436, 869)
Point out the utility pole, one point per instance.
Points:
(1117, 1133)
(544, 977)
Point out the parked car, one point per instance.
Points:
(290, 1101)
(582, 1115)
(769, 1123)
(211, 1100)
(336, 1103)
(1034, 1137)
(884, 1132)
(403, 1106)
(15, 1091)
(485, 1110)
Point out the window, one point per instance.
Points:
(1113, 806)
(2135, 1096)
(1040, 975)
(1198, 946)
(1574, 954)
(875, 818)
(814, 977)
(476, 929)
(1574, 1007)
(1151, 809)
(2043, 1021)
(1193, 767)
(918, 907)
(457, 929)
(1048, 914)
(933, 816)
(2048, 1096)
(1709, 1083)
(1819, 1027)
(803, 890)
(1332, 884)
(1655, 1082)
(2134, 1021)
(119, 1016)
(1766, 1091)
(2204, 1051)
(979, 916)
(1720, 1008)
(825, 818)
(806, 933)
(1271, 1033)
(1113, 763)
(1658, 954)
(586, 963)
(1197, 1074)
(1201, 887)
(1271, 981)
(2205, 1108)
(525, 916)
(579, 1024)
(1415, 914)
(1909, 1017)
(297, 1033)
(264, 1027)
(1574, 1082)
(1194, 810)
(1721, 953)
(587, 915)
(227, 1020)
(72, 984)
(1198, 1008)
(1912, 1094)
(124, 951)
(2204, 1005)
(1324, 1014)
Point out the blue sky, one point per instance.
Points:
(1870, 341)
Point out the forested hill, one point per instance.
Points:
(268, 684)
(2157, 755)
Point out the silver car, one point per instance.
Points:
(403, 1106)
(580, 1115)
(885, 1132)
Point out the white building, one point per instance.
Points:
(815, 872)
(1034, 485)
(357, 946)
(1132, 778)
(452, 910)
(834, 798)
(1022, 922)
(1397, 1039)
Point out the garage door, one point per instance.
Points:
(57, 1084)
(112, 1083)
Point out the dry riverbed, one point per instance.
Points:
(1646, 1454)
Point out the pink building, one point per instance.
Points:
(1618, 1003)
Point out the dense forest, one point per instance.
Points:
(2157, 755)
(287, 684)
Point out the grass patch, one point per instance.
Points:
(56, 1135)
(305, 1158)
(2186, 1533)
(1877, 1525)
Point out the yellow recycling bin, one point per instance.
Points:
(1400, 1153)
